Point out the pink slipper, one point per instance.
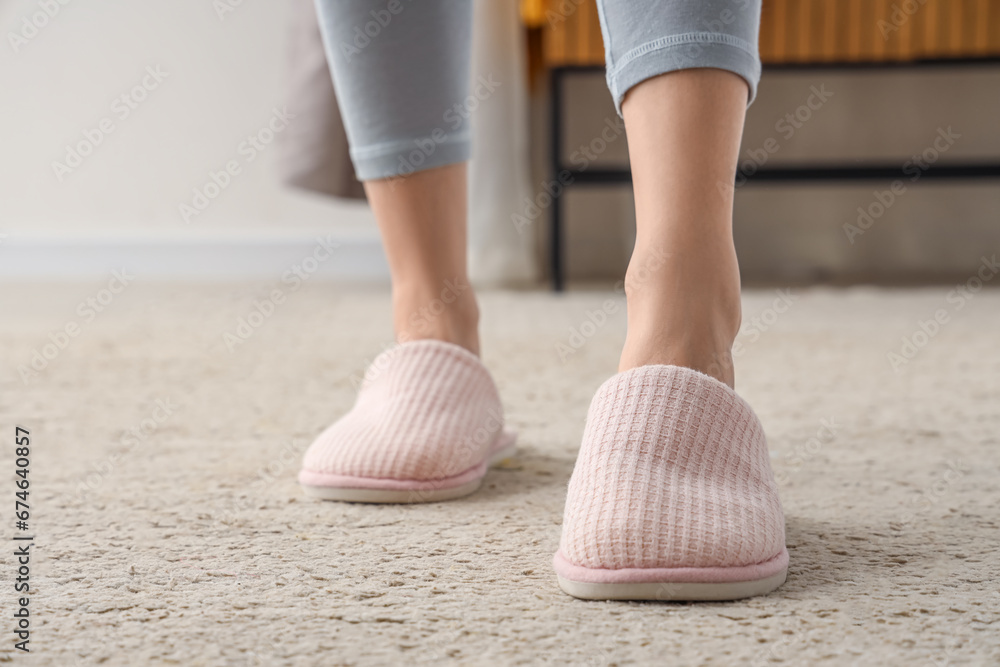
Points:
(672, 496)
(426, 425)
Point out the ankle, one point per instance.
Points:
(698, 348)
(443, 310)
(683, 314)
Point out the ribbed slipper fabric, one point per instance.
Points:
(672, 496)
(426, 425)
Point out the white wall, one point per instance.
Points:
(224, 77)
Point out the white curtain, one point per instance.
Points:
(499, 179)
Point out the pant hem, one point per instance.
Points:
(694, 50)
(408, 157)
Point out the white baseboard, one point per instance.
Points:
(352, 259)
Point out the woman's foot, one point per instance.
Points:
(428, 419)
(672, 496)
(426, 425)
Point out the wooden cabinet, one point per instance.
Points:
(803, 31)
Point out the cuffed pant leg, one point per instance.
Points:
(401, 72)
(646, 38)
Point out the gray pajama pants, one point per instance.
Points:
(401, 67)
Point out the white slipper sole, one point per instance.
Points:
(673, 591)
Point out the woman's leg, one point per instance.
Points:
(683, 283)
(401, 73)
(672, 496)
(681, 74)
(428, 418)
(422, 219)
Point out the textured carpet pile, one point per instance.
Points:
(169, 529)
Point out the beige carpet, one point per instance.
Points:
(194, 546)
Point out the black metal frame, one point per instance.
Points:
(796, 174)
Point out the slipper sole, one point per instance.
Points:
(687, 584)
(346, 488)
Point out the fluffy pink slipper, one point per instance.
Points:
(672, 496)
(426, 425)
